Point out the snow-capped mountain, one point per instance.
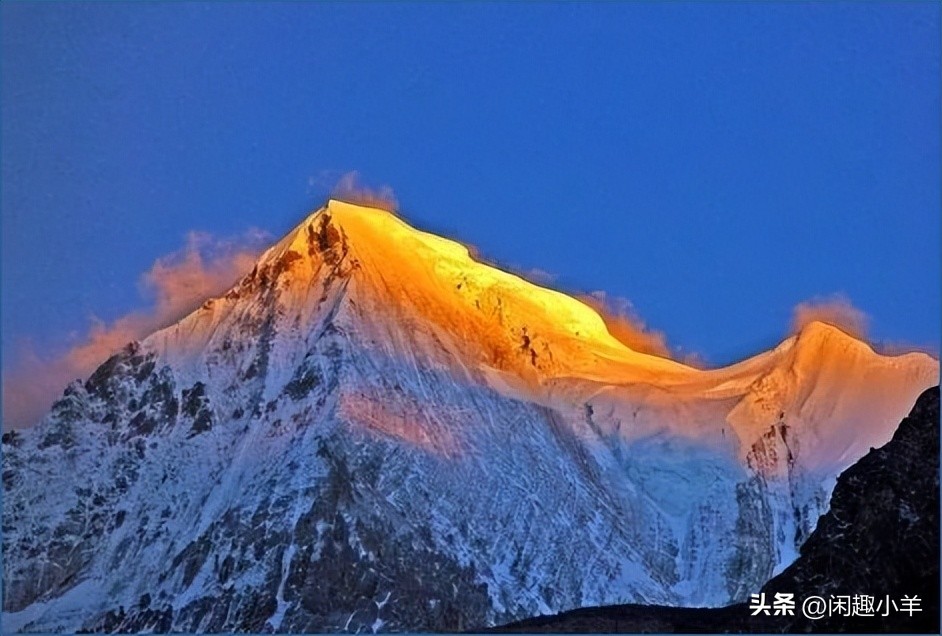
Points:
(372, 431)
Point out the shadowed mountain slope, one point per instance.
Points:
(879, 538)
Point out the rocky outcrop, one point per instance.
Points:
(373, 431)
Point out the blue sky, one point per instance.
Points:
(716, 164)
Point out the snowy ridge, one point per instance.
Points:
(372, 432)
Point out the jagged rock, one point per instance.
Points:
(372, 431)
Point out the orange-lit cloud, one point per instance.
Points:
(176, 285)
(625, 325)
(836, 310)
(350, 188)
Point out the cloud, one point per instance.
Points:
(694, 359)
(890, 348)
(175, 285)
(537, 275)
(836, 310)
(533, 275)
(626, 326)
(205, 267)
(350, 188)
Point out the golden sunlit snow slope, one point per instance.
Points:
(514, 324)
(424, 297)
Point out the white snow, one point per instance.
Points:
(564, 467)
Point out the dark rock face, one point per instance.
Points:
(879, 538)
(881, 535)
(129, 399)
(326, 449)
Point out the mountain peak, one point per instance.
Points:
(820, 339)
(355, 403)
(400, 278)
(819, 330)
(438, 276)
(819, 343)
(365, 229)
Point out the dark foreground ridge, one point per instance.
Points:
(880, 537)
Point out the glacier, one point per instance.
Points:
(372, 431)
